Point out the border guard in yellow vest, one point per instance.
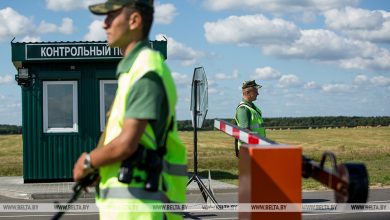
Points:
(140, 158)
(248, 115)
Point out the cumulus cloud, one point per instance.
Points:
(360, 79)
(380, 81)
(67, 5)
(65, 28)
(316, 44)
(310, 85)
(277, 5)
(95, 31)
(17, 25)
(31, 39)
(7, 79)
(265, 73)
(251, 29)
(287, 81)
(164, 13)
(215, 91)
(186, 55)
(338, 88)
(223, 76)
(353, 18)
(360, 23)
(13, 24)
(325, 45)
(181, 79)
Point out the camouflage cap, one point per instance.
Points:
(113, 5)
(250, 83)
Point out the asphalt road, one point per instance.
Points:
(376, 196)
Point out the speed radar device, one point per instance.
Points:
(198, 108)
(199, 97)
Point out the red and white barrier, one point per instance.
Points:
(241, 134)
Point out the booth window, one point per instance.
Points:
(60, 106)
(107, 95)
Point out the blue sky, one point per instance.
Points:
(312, 57)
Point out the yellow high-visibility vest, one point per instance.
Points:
(114, 195)
(256, 123)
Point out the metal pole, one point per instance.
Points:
(195, 114)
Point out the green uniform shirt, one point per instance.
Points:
(147, 99)
(244, 115)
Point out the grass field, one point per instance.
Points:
(216, 151)
(367, 145)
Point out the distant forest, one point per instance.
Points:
(10, 129)
(302, 122)
(271, 123)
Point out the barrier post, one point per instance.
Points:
(270, 174)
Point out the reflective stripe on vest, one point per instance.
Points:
(256, 123)
(174, 169)
(131, 193)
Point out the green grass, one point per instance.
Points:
(11, 158)
(370, 146)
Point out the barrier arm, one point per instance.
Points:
(348, 180)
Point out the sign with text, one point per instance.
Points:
(71, 51)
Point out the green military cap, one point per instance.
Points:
(250, 83)
(113, 5)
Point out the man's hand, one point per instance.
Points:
(78, 170)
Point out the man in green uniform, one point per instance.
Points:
(248, 115)
(141, 128)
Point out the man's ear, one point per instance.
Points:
(135, 21)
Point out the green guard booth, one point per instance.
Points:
(67, 88)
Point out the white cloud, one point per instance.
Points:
(251, 29)
(186, 55)
(13, 24)
(181, 79)
(338, 88)
(215, 91)
(310, 85)
(380, 81)
(360, 23)
(65, 28)
(31, 39)
(265, 73)
(7, 79)
(325, 45)
(308, 17)
(315, 44)
(17, 25)
(277, 5)
(353, 18)
(95, 31)
(360, 79)
(223, 76)
(287, 81)
(164, 13)
(67, 5)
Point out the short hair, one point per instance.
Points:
(146, 13)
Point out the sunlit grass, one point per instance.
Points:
(370, 146)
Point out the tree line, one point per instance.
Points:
(10, 129)
(271, 123)
(302, 122)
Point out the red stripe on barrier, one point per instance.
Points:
(236, 133)
(253, 140)
(223, 126)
